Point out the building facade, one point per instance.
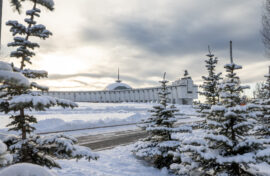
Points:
(182, 91)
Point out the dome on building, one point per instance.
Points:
(118, 85)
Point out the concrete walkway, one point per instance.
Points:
(111, 140)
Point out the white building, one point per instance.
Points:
(183, 91)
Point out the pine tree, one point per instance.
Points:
(157, 148)
(227, 148)
(259, 92)
(19, 95)
(264, 102)
(210, 84)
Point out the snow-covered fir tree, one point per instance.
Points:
(157, 148)
(259, 92)
(19, 94)
(210, 84)
(264, 103)
(227, 147)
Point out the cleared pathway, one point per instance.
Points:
(111, 140)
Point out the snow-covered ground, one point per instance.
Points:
(115, 162)
(89, 115)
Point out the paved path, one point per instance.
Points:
(111, 140)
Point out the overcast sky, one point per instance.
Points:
(144, 39)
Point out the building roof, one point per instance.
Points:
(118, 86)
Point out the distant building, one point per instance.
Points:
(183, 91)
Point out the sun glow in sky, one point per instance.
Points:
(91, 39)
(67, 63)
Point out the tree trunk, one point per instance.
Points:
(25, 157)
(23, 124)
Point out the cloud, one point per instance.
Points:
(103, 75)
(183, 30)
(81, 82)
(147, 38)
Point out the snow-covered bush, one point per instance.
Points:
(157, 148)
(227, 147)
(25, 169)
(19, 94)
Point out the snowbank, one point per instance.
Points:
(89, 115)
(25, 169)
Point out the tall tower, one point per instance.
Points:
(118, 77)
(231, 54)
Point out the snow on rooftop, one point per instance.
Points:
(118, 86)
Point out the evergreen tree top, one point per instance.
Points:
(210, 84)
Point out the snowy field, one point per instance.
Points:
(89, 115)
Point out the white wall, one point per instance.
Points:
(182, 91)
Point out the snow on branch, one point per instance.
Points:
(218, 108)
(35, 73)
(161, 128)
(49, 4)
(20, 41)
(33, 12)
(263, 153)
(38, 102)
(245, 158)
(169, 144)
(232, 66)
(66, 147)
(42, 88)
(39, 31)
(219, 138)
(16, 27)
(8, 76)
(252, 142)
